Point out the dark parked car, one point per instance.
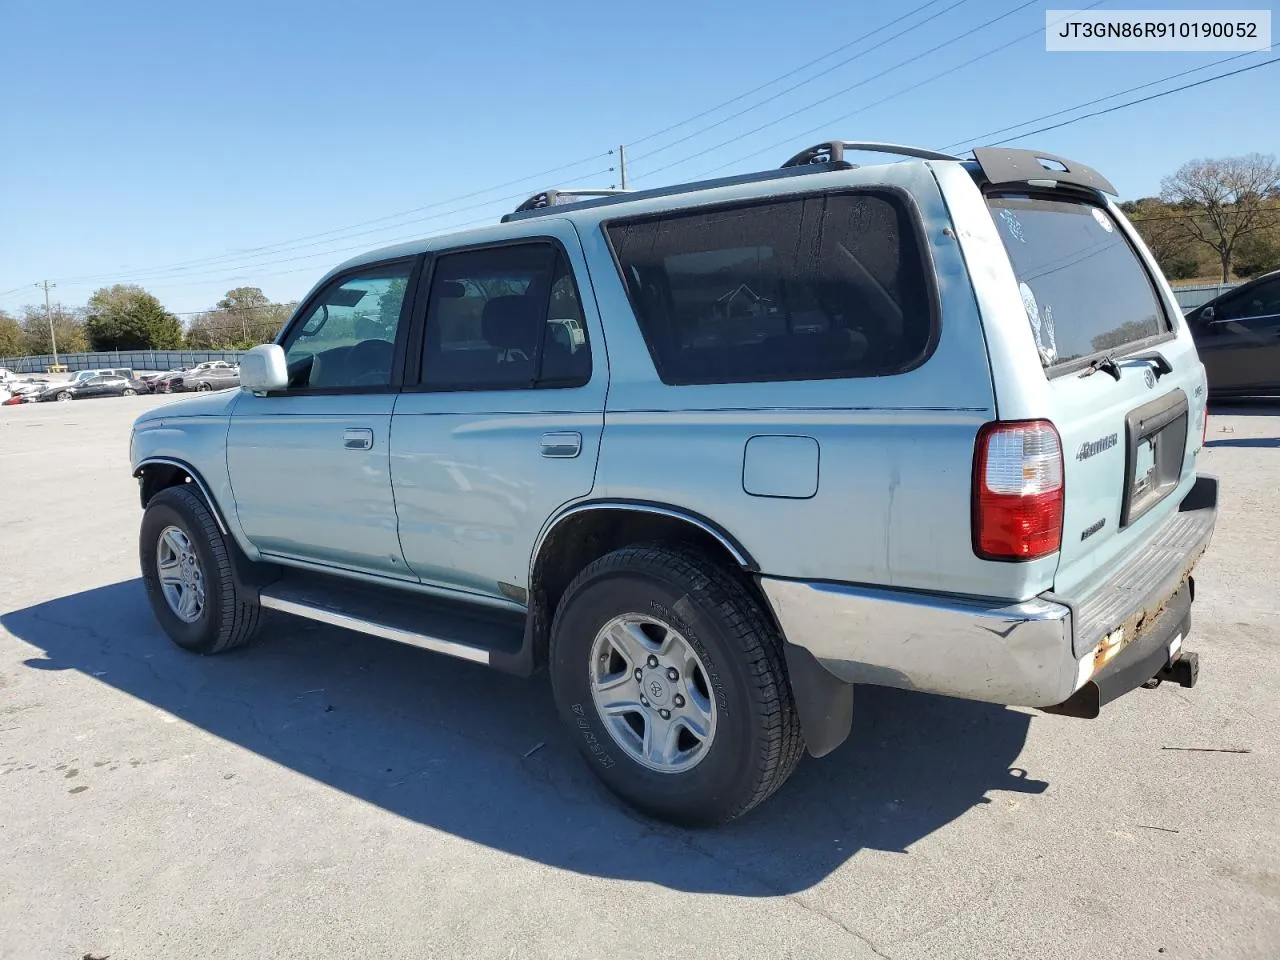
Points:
(106, 385)
(201, 379)
(1238, 338)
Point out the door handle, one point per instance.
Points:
(358, 438)
(563, 446)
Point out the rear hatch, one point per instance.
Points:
(1126, 389)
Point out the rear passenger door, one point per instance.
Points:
(503, 424)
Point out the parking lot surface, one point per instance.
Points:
(328, 794)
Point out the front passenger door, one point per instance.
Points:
(310, 465)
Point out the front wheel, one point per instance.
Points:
(129, 392)
(204, 387)
(672, 679)
(63, 395)
(186, 567)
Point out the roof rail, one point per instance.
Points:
(551, 198)
(601, 198)
(833, 152)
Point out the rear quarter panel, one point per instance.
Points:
(895, 454)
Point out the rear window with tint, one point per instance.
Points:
(1083, 287)
(806, 288)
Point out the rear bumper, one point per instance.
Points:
(1036, 653)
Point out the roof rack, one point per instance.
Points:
(833, 152)
(551, 198)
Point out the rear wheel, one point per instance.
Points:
(672, 678)
(186, 567)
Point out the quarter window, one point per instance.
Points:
(504, 318)
(799, 289)
(348, 337)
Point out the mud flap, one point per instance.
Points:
(824, 702)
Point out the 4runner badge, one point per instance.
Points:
(1091, 448)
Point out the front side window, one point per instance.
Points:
(1082, 285)
(798, 289)
(504, 318)
(347, 338)
(1260, 301)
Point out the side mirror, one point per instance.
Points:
(1206, 314)
(263, 369)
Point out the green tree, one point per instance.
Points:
(68, 326)
(1226, 201)
(126, 317)
(243, 318)
(1258, 253)
(1165, 238)
(13, 343)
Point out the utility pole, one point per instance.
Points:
(48, 315)
(622, 164)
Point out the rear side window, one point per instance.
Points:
(1084, 289)
(505, 318)
(799, 289)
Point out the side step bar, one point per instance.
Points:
(478, 634)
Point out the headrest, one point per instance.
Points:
(510, 323)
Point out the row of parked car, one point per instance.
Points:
(117, 382)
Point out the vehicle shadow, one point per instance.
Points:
(481, 755)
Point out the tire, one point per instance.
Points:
(756, 740)
(64, 395)
(128, 392)
(204, 386)
(226, 620)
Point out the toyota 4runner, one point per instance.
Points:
(713, 454)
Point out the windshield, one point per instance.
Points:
(1084, 289)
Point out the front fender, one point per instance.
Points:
(197, 445)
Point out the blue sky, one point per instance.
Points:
(196, 147)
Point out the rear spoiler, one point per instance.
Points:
(1033, 168)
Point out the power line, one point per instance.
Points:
(840, 93)
(863, 109)
(276, 247)
(822, 73)
(222, 269)
(779, 79)
(1133, 103)
(1090, 103)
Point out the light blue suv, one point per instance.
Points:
(713, 454)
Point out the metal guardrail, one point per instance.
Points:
(132, 359)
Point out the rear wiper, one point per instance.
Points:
(1105, 363)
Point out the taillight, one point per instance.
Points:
(1017, 491)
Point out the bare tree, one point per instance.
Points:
(1225, 201)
